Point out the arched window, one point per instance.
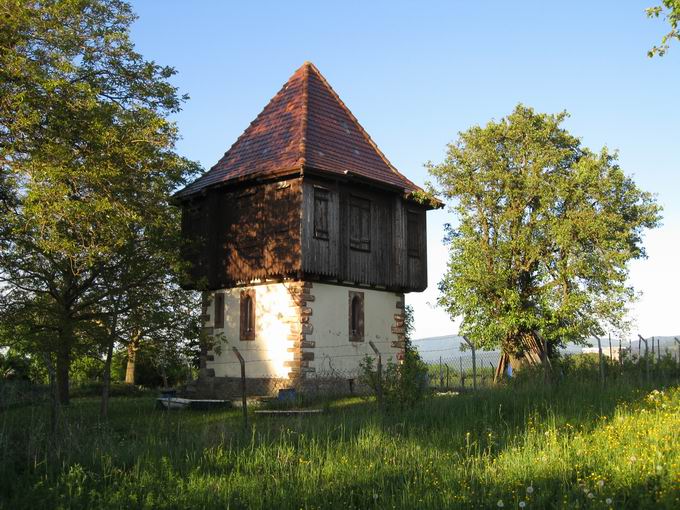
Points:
(356, 316)
(356, 311)
(247, 315)
(248, 308)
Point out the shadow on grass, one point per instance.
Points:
(404, 459)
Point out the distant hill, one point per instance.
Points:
(453, 346)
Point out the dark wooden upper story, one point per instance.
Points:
(305, 227)
(304, 193)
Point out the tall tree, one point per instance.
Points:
(88, 165)
(545, 231)
(670, 9)
(144, 303)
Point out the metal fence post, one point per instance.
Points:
(599, 352)
(244, 403)
(378, 389)
(441, 374)
(474, 362)
(462, 377)
(545, 360)
(646, 356)
(474, 368)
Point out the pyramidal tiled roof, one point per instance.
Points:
(305, 125)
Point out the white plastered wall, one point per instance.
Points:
(334, 354)
(330, 317)
(265, 356)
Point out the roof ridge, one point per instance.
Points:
(363, 132)
(305, 112)
(252, 122)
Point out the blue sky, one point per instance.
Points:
(417, 73)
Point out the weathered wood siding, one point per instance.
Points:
(234, 236)
(316, 229)
(344, 255)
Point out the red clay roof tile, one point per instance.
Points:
(305, 125)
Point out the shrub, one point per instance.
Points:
(403, 384)
(117, 389)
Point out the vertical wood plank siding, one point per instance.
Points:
(386, 264)
(239, 235)
(266, 231)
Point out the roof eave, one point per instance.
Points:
(183, 195)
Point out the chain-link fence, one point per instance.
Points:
(643, 361)
(465, 371)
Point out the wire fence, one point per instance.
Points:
(465, 371)
(643, 361)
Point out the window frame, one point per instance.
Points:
(247, 333)
(321, 196)
(356, 324)
(281, 223)
(414, 234)
(218, 310)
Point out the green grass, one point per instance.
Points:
(453, 451)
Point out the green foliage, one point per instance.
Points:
(18, 366)
(585, 368)
(671, 12)
(87, 169)
(545, 231)
(465, 451)
(157, 364)
(117, 389)
(86, 369)
(403, 384)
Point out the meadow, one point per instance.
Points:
(528, 445)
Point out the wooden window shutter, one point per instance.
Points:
(247, 319)
(414, 233)
(321, 213)
(219, 310)
(359, 224)
(281, 210)
(356, 316)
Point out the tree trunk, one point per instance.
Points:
(54, 405)
(527, 350)
(132, 349)
(106, 379)
(63, 368)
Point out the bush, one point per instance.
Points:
(14, 393)
(403, 384)
(117, 389)
(19, 366)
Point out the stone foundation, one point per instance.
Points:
(229, 388)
